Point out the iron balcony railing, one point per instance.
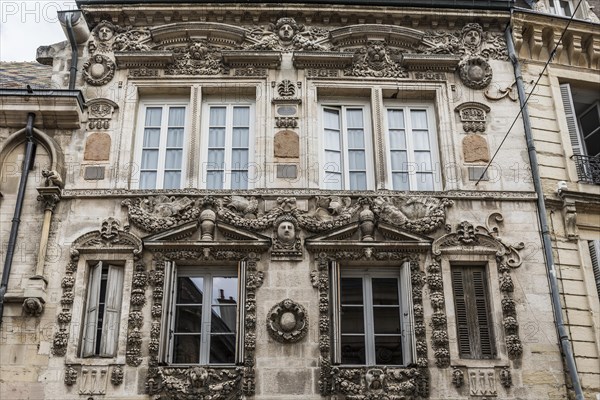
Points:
(588, 168)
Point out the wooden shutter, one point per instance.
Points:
(112, 312)
(594, 254)
(241, 314)
(88, 347)
(409, 351)
(167, 320)
(335, 316)
(574, 135)
(472, 308)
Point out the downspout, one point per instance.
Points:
(16, 221)
(74, 54)
(541, 208)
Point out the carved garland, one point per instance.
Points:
(193, 383)
(364, 383)
(439, 323)
(136, 317)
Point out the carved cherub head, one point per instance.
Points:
(286, 29)
(105, 31)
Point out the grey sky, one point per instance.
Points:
(27, 24)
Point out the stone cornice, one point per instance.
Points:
(273, 193)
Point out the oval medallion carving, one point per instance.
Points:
(99, 70)
(475, 72)
(287, 322)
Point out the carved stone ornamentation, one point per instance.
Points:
(99, 70)
(132, 39)
(32, 306)
(93, 380)
(52, 179)
(104, 34)
(482, 382)
(116, 376)
(473, 116)
(207, 224)
(458, 377)
(287, 322)
(475, 72)
(70, 376)
(286, 243)
(135, 320)
(196, 383)
(287, 35)
(197, 58)
(286, 122)
(100, 113)
(505, 377)
(155, 214)
(439, 334)
(377, 60)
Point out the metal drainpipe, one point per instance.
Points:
(541, 208)
(14, 230)
(74, 54)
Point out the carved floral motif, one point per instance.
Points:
(197, 58)
(98, 70)
(135, 320)
(378, 60)
(287, 322)
(196, 383)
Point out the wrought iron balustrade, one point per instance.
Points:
(588, 168)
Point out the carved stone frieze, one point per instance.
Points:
(286, 122)
(287, 35)
(98, 70)
(93, 380)
(471, 40)
(376, 59)
(158, 213)
(196, 383)
(287, 322)
(132, 39)
(197, 58)
(482, 382)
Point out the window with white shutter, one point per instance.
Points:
(103, 311)
(594, 246)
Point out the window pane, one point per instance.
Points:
(186, 349)
(217, 116)
(395, 119)
(353, 349)
(173, 159)
(354, 117)
(397, 139)
(332, 119)
(420, 140)
(153, 116)
(172, 180)
(241, 116)
(358, 181)
(239, 180)
(399, 160)
(176, 116)
(225, 290)
(216, 137)
(188, 319)
(216, 159)
(240, 137)
(214, 180)
(222, 349)
(356, 160)
(386, 320)
(148, 180)
(149, 159)
(352, 319)
(425, 181)
(239, 159)
(332, 140)
(356, 139)
(333, 181)
(151, 137)
(175, 137)
(400, 181)
(388, 350)
(222, 319)
(418, 119)
(333, 161)
(189, 290)
(385, 291)
(423, 160)
(351, 291)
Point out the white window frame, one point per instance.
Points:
(410, 150)
(112, 313)
(402, 273)
(162, 149)
(229, 105)
(554, 7)
(207, 273)
(342, 106)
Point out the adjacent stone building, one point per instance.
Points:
(290, 200)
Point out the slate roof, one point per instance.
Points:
(17, 75)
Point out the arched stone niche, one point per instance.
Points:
(97, 147)
(286, 144)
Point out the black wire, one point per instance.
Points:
(531, 92)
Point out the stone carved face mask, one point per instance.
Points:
(286, 232)
(286, 32)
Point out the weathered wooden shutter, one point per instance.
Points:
(471, 303)
(460, 309)
(88, 347)
(167, 320)
(594, 254)
(482, 311)
(112, 311)
(574, 135)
